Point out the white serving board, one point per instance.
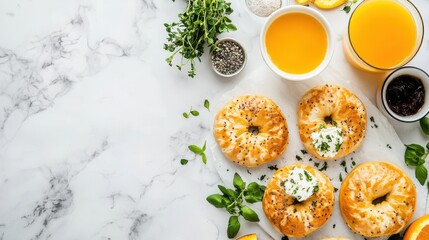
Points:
(381, 143)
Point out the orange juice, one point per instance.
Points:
(296, 43)
(383, 33)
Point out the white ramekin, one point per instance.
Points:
(381, 94)
(316, 15)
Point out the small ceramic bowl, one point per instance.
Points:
(322, 20)
(242, 66)
(382, 99)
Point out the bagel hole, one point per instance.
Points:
(328, 119)
(379, 200)
(253, 130)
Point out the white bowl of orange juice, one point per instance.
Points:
(297, 42)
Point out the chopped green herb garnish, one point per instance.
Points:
(308, 176)
(184, 161)
(316, 189)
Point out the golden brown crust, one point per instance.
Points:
(231, 130)
(369, 181)
(344, 108)
(300, 219)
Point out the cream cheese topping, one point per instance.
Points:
(327, 141)
(300, 184)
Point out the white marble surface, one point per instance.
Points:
(91, 131)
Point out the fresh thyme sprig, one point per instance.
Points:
(201, 22)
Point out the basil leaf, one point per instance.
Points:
(252, 198)
(233, 226)
(424, 125)
(238, 182)
(249, 214)
(421, 174)
(195, 149)
(228, 192)
(216, 200)
(254, 193)
(207, 104)
(411, 158)
(183, 161)
(418, 149)
(253, 187)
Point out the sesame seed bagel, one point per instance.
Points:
(292, 218)
(395, 204)
(331, 106)
(251, 130)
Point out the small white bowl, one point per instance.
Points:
(244, 63)
(382, 100)
(322, 20)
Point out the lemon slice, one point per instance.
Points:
(328, 4)
(324, 4)
(303, 2)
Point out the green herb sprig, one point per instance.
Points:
(232, 201)
(201, 22)
(199, 151)
(415, 155)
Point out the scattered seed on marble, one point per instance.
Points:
(228, 58)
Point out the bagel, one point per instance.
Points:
(331, 110)
(251, 130)
(293, 218)
(394, 194)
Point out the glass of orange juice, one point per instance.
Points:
(383, 34)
